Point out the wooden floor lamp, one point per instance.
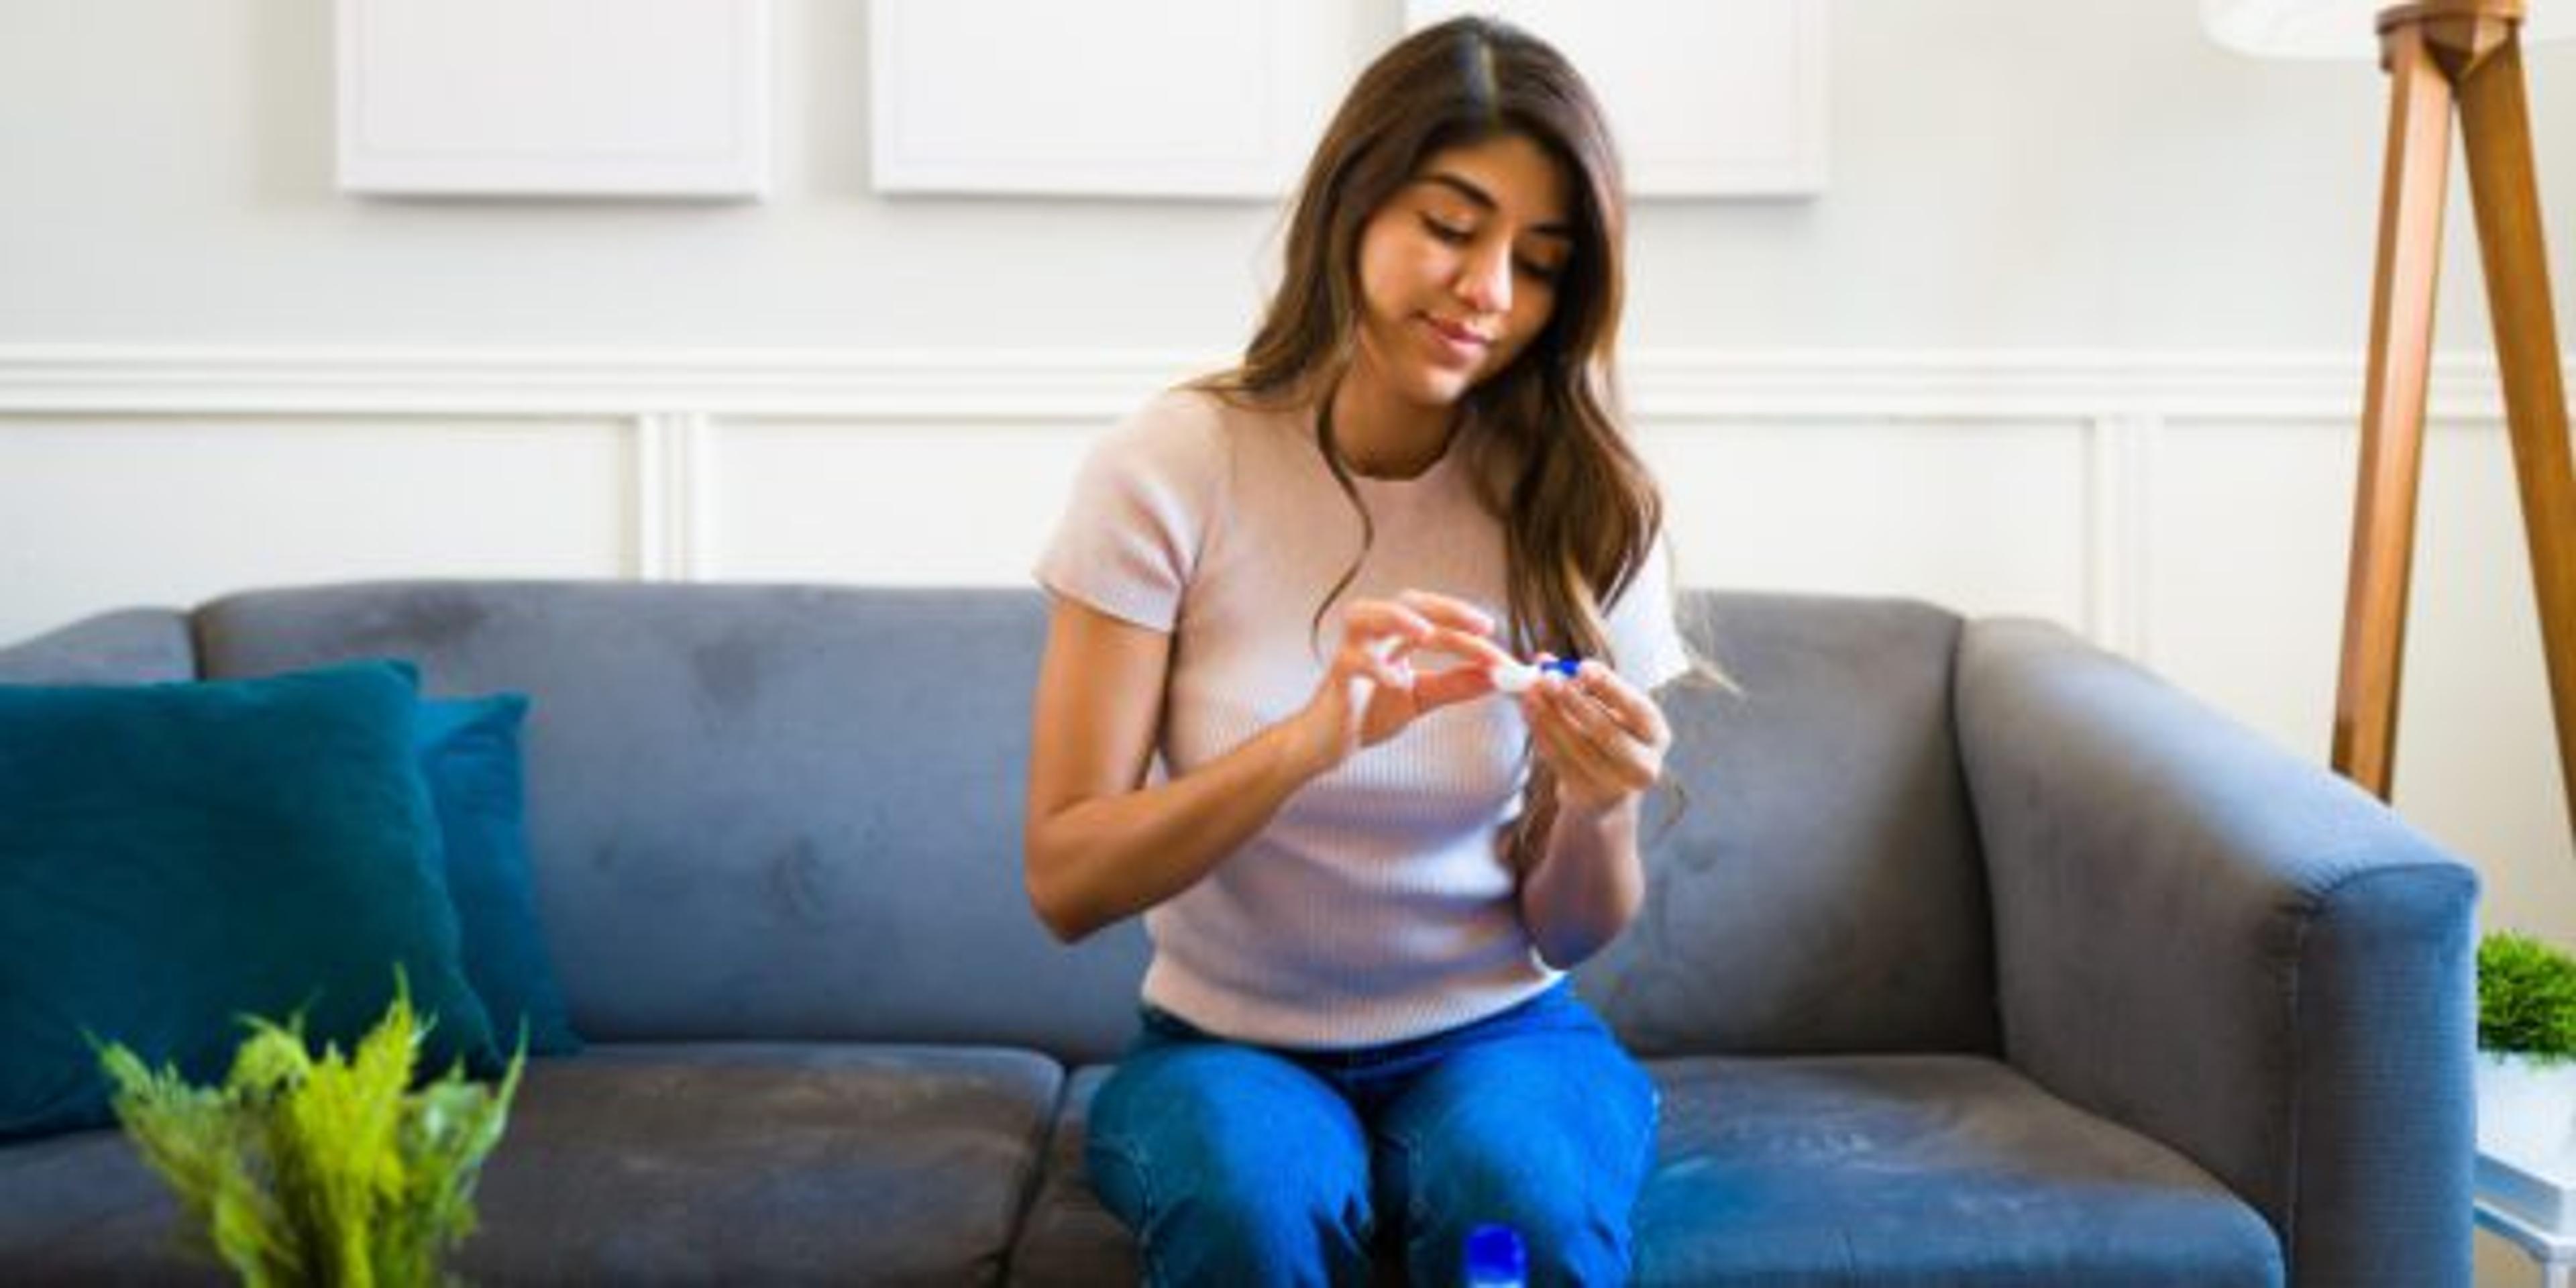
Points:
(2443, 57)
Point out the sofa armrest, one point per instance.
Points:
(2228, 949)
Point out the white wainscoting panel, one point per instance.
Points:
(109, 512)
(2249, 520)
(1985, 517)
(962, 504)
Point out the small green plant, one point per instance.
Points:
(2526, 998)
(320, 1170)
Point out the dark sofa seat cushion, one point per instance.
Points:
(1068, 1239)
(82, 1209)
(737, 1162)
(1889, 1170)
(757, 1163)
(1846, 1170)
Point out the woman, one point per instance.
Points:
(1301, 582)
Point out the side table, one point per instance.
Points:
(2555, 1254)
(2526, 1170)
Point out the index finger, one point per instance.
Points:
(1472, 646)
(1448, 610)
(1634, 711)
(1383, 619)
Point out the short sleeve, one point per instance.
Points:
(1644, 636)
(1130, 535)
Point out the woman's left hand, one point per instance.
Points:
(1604, 738)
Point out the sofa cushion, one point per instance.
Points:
(1068, 1240)
(746, 1163)
(764, 1163)
(469, 751)
(1921, 1170)
(175, 856)
(83, 1209)
(1849, 1170)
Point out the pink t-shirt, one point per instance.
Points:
(1374, 907)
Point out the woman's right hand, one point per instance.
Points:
(1373, 691)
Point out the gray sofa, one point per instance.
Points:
(1977, 956)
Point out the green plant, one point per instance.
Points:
(2526, 998)
(320, 1170)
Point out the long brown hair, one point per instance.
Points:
(1550, 456)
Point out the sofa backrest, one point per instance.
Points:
(759, 812)
(128, 646)
(1821, 887)
(794, 812)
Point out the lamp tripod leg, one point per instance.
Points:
(2392, 421)
(2495, 128)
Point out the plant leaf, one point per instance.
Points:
(331, 1169)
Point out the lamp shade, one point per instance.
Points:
(2341, 28)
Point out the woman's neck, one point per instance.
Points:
(1380, 434)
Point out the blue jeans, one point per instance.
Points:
(1239, 1164)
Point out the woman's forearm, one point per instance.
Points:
(1103, 860)
(1587, 885)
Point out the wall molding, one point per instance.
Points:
(2119, 465)
(670, 527)
(1060, 385)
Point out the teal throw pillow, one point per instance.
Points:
(469, 750)
(174, 857)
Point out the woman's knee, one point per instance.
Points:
(1228, 1173)
(1233, 1223)
(1244, 1231)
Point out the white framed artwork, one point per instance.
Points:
(1708, 98)
(1218, 99)
(579, 98)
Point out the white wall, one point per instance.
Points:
(2006, 173)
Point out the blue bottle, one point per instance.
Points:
(1495, 1258)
